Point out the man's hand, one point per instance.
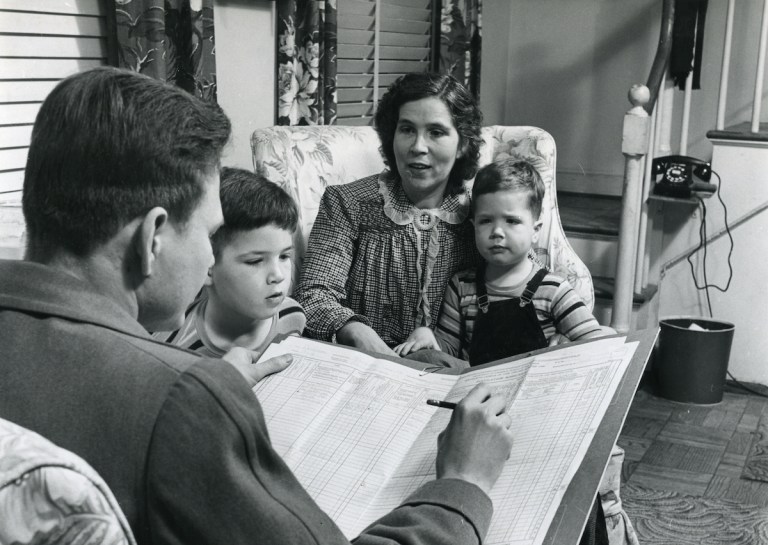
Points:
(242, 359)
(421, 338)
(359, 335)
(477, 441)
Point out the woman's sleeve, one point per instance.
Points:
(448, 330)
(330, 252)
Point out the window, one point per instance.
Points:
(378, 41)
(41, 42)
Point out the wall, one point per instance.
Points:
(245, 64)
(567, 66)
(40, 43)
(744, 171)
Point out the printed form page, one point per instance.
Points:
(557, 401)
(343, 421)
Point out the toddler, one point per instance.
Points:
(509, 304)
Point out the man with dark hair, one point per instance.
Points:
(121, 196)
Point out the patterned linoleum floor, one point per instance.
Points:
(682, 479)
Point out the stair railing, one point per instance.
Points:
(759, 72)
(636, 138)
(648, 134)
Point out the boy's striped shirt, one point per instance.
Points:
(289, 319)
(559, 309)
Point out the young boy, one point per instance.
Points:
(508, 305)
(244, 301)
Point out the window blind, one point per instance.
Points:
(378, 41)
(41, 42)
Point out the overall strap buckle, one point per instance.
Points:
(532, 286)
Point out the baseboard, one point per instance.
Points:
(736, 387)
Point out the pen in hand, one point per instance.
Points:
(443, 404)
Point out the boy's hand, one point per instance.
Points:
(243, 360)
(421, 338)
(557, 338)
(477, 441)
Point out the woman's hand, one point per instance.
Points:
(421, 338)
(362, 336)
(477, 441)
(243, 360)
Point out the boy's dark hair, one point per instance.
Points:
(464, 111)
(107, 146)
(250, 201)
(510, 175)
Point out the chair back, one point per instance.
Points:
(50, 495)
(305, 160)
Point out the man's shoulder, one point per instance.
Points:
(151, 361)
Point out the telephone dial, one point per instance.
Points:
(681, 176)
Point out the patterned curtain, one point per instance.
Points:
(171, 40)
(461, 41)
(306, 62)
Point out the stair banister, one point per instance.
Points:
(726, 67)
(686, 114)
(661, 60)
(643, 257)
(635, 143)
(634, 146)
(660, 133)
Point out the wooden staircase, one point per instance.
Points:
(591, 223)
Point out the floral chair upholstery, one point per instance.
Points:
(304, 160)
(50, 495)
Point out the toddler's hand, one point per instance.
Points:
(557, 338)
(421, 338)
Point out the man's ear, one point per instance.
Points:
(209, 277)
(153, 225)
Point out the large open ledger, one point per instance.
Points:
(358, 433)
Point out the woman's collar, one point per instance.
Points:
(454, 209)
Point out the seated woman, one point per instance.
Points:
(383, 248)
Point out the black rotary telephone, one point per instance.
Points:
(681, 176)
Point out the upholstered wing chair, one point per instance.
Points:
(304, 160)
(50, 495)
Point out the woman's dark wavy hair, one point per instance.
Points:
(466, 115)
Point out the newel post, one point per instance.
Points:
(634, 146)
